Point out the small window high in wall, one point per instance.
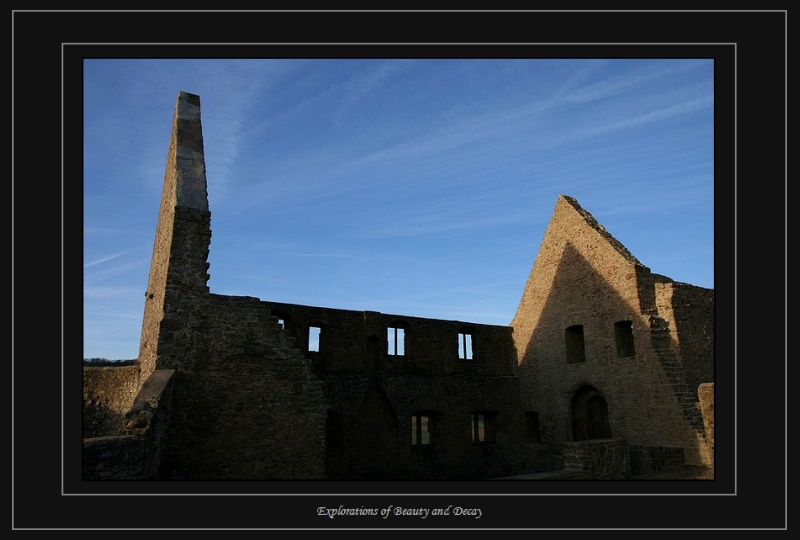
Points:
(465, 345)
(623, 334)
(576, 352)
(396, 337)
(314, 333)
(282, 318)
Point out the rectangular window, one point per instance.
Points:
(313, 338)
(623, 334)
(396, 338)
(576, 352)
(478, 428)
(465, 346)
(483, 427)
(420, 429)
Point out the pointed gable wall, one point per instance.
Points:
(583, 286)
(576, 257)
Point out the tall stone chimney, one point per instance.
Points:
(177, 286)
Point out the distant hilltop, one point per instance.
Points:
(107, 362)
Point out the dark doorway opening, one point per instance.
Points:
(589, 415)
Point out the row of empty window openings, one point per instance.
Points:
(396, 338)
(573, 335)
(482, 424)
(576, 351)
(421, 429)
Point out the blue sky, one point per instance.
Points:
(419, 187)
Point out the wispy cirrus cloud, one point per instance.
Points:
(108, 273)
(105, 259)
(364, 83)
(653, 116)
(317, 254)
(107, 293)
(628, 81)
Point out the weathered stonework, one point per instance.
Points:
(706, 393)
(597, 372)
(108, 394)
(601, 459)
(582, 285)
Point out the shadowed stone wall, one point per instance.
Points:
(248, 407)
(244, 405)
(653, 459)
(108, 394)
(583, 283)
(689, 310)
(602, 459)
(132, 450)
(373, 394)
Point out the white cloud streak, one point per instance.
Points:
(105, 259)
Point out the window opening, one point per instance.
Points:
(479, 427)
(623, 333)
(576, 352)
(314, 333)
(396, 338)
(465, 346)
(420, 429)
(483, 427)
(282, 317)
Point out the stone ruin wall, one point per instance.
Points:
(247, 406)
(231, 367)
(580, 278)
(108, 394)
(179, 266)
(689, 310)
(372, 394)
(248, 400)
(234, 362)
(607, 459)
(165, 331)
(356, 341)
(706, 395)
(683, 341)
(133, 451)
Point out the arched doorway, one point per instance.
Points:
(374, 438)
(589, 415)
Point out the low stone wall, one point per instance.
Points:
(652, 459)
(540, 458)
(602, 459)
(114, 458)
(135, 453)
(108, 393)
